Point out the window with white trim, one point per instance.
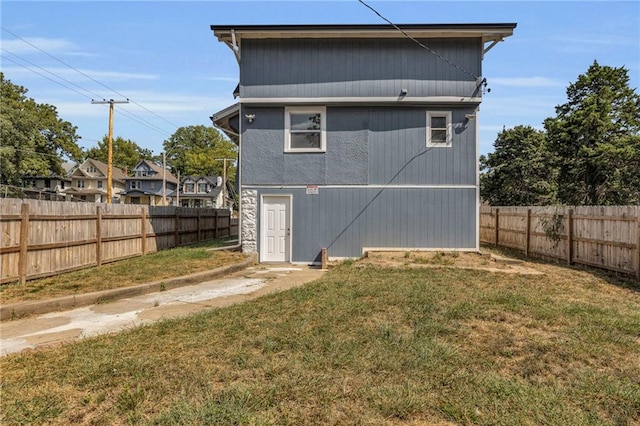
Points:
(439, 129)
(305, 129)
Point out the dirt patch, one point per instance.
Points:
(422, 259)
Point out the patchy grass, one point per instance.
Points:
(363, 345)
(137, 270)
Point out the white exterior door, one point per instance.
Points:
(276, 229)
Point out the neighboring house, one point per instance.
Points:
(50, 186)
(354, 137)
(203, 191)
(145, 186)
(89, 182)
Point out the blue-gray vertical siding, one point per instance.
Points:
(365, 146)
(344, 220)
(381, 152)
(358, 68)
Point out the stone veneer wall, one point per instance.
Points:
(249, 221)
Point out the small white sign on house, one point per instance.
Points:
(312, 189)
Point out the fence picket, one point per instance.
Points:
(605, 237)
(43, 238)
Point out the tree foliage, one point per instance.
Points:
(33, 139)
(518, 173)
(595, 138)
(126, 153)
(589, 153)
(197, 150)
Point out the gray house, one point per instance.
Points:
(203, 191)
(146, 185)
(356, 137)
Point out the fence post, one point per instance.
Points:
(324, 259)
(176, 230)
(497, 227)
(527, 237)
(98, 235)
(215, 218)
(24, 240)
(198, 225)
(569, 236)
(143, 230)
(638, 245)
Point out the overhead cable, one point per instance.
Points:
(419, 43)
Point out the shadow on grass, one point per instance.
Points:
(615, 278)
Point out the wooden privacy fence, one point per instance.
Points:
(604, 237)
(43, 238)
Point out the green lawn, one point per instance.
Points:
(363, 345)
(136, 270)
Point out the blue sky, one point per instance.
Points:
(164, 58)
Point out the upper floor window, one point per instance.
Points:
(80, 184)
(135, 184)
(189, 187)
(91, 169)
(99, 184)
(305, 129)
(202, 188)
(439, 128)
(141, 173)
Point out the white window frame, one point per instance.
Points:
(449, 129)
(80, 184)
(304, 110)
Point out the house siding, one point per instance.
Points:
(345, 220)
(365, 146)
(308, 68)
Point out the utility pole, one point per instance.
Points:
(110, 144)
(164, 178)
(224, 179)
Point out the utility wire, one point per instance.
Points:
(127, 114)
(30, 151)
(44, 76)
(419, 43)
(89, 77)
(49, 72)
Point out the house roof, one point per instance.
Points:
(213, 194)
(221, 120)
(233, 34)
(153, 166)
(117, 174)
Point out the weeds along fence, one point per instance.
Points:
(604, 237)
(43, 238)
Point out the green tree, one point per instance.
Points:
(518, 172)
(126, 153)
(595, 139)
(33, 139)
(196, 150)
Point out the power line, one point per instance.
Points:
(419, 43)
(30, 151)
(88, 76)
(44, 76)
(127, 114)
(48, 72)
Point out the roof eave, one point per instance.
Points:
(232, 34)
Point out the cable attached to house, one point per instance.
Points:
(480, 81)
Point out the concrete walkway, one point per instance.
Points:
(58, 327)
